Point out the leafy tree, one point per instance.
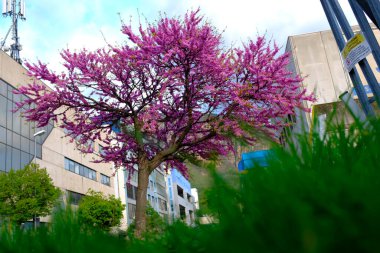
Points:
(95, 209)
(172, 93)
(25, 193)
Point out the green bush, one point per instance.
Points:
(97, 210)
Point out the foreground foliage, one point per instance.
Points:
(321, 196)
(97, 210)
(25, 193)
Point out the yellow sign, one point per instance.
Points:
(356, 49)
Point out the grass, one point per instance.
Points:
(320, 195)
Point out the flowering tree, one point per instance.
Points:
(172, 91)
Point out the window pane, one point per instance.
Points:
(31, 147)
(16, 159)
(67, 167)
(131, 211)
(3, 135)
(16, 141)
(3, 88)
(9, 115)
(3, 152)
(9, 138)
(24, 127)
(71, 166)
(10, 92)
(76, 168)
(39, 151)
(16, 97)
(24, 159)
(3, 111)
(31, 129)
(8, 162)
(81, 170)
(25, 144)
(16, 121)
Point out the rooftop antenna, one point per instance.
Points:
(16, 10)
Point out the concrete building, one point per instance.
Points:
(71, 171)
(181, 201)
(316, 57)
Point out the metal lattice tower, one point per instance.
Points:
(16, 10)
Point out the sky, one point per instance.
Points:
(53, 25)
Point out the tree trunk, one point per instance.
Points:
(141, 201)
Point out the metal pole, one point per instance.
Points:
(354, 75)
(366, 29)
(35, 156)
(39, 133)
(374, 6)
(369, 76)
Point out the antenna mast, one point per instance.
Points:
(16, 10)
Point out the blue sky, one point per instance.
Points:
(53, 25)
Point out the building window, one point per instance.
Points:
(74, 197)
(131, 177)
(161, 190)
(182, 212)
(180, 191)
(131, 211)
(105, 180)
(80, 169)
(162, 204)
(131, 191)
(189, 197)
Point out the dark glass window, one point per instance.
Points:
(74, 197)
(105, 180)
(79, 169)
(131, 191)
(131, 211)
(180, 191)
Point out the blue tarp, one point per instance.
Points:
(249, 160)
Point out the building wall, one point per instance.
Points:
(186, 202)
